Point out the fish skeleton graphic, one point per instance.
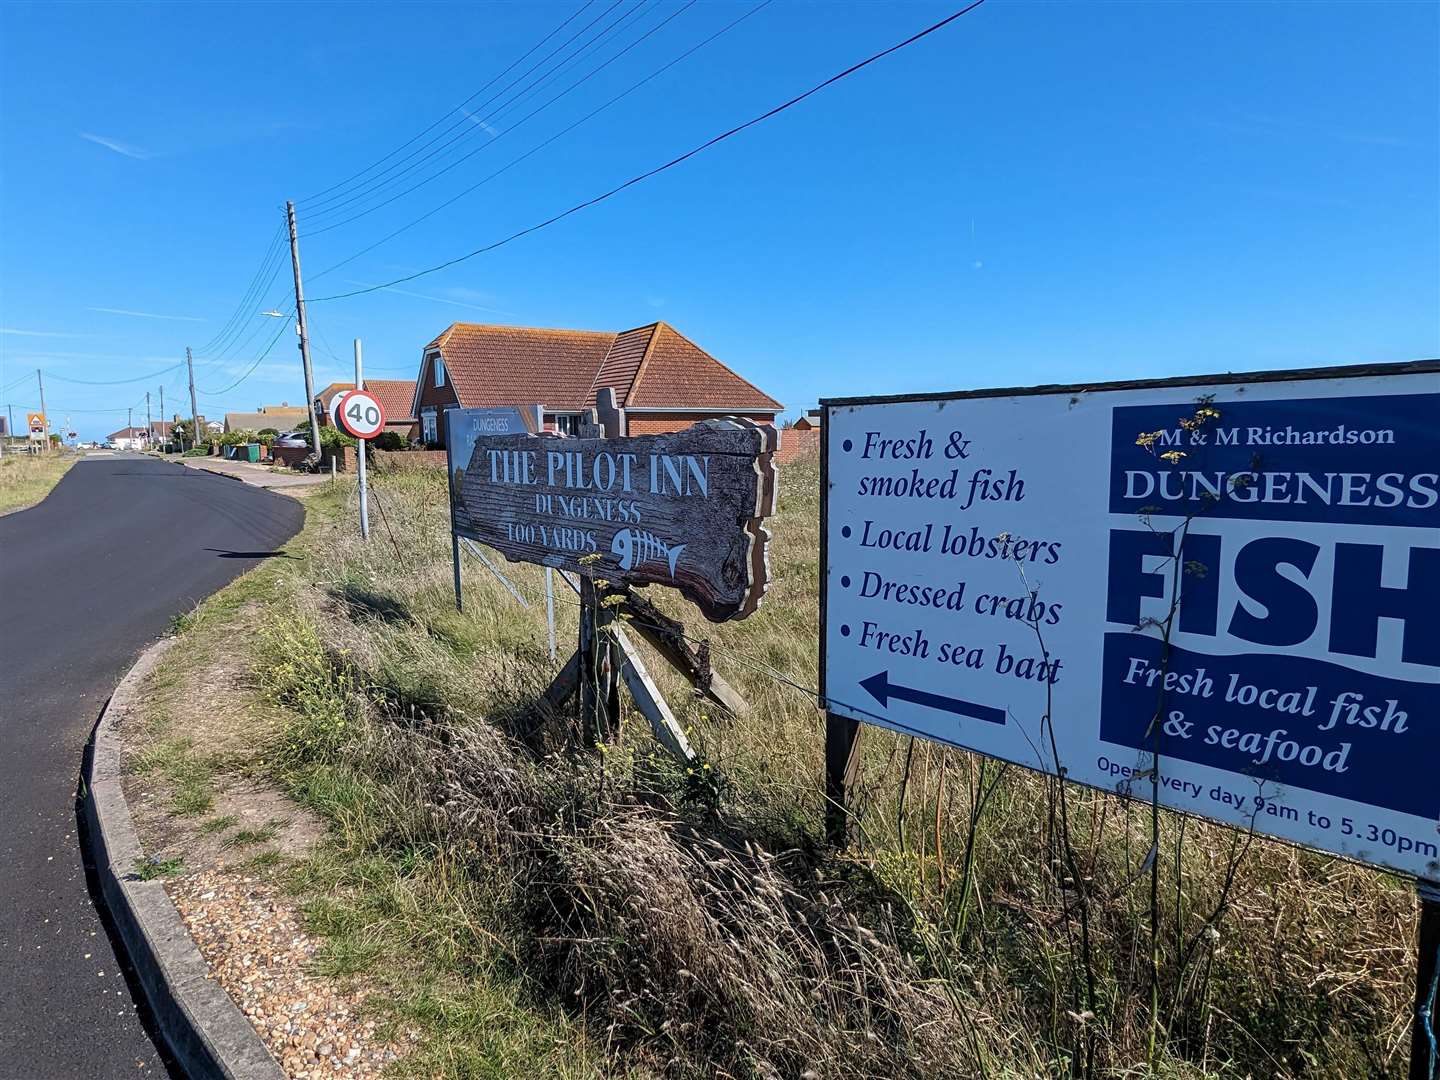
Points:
(636, 546)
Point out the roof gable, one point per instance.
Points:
(677, 373)
(623, 361)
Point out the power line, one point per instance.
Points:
(251, 369)
(245, 300)
(667, 165)
(117, 382)
(519, 60)
(211, 354)
(521, 122)
(472, 122)
(541, 146)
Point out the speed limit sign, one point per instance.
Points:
(360, 414)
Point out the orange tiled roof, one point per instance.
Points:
(396, 396)
(651, 366)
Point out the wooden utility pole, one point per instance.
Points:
(304, 332)
(149, 423)
(164, 439)
(44, 416)
(194, 409)
(130, 427)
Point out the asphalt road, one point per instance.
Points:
(88, 578)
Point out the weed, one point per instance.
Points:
(265, 860)
(153, 868)
(251, 837)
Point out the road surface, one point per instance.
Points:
(88, 578)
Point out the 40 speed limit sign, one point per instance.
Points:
(359, 413)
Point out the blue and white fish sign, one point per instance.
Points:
(1228, 587)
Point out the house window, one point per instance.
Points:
(565, 424)
(439, 370)
(427, 427)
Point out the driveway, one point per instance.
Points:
(88, 578)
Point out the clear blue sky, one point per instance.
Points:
(1039, 192)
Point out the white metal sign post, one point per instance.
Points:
(361, 415)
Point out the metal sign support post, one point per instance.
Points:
(1424, 1054)
(360, 456)
(550, 607)
(842, 734)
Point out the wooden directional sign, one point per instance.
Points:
(684, 509)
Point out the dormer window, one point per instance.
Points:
(439, 370)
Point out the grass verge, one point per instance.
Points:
(536, 910)
(25, 479)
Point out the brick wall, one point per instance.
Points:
(289, 455)
(796, 443)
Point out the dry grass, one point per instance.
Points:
(25, 479)
(551, 912)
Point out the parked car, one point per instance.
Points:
(293, 438)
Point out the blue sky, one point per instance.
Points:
(1037, 193)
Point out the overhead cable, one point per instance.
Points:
(723, 136)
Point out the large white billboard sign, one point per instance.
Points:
(1238, 579)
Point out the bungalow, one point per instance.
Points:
(396, 396)
(810, 420)
(282, 417)
(129, 438)
(662, 380)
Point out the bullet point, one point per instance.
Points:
(845, 582)
(845, 532)
(844, 629)
(848, 445)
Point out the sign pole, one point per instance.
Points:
(842, 761)
(1424, 1057)
(550, 607)
(455, 557)
(360, 456)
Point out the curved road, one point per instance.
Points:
(88, 578)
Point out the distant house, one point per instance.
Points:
(282, 417)
(810, 421)
(662, 380)
(396, 396)
(129, 438)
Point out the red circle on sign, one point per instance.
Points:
(361, 414)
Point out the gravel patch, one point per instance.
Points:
(252, 941)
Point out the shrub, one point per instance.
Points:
(331, 438)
